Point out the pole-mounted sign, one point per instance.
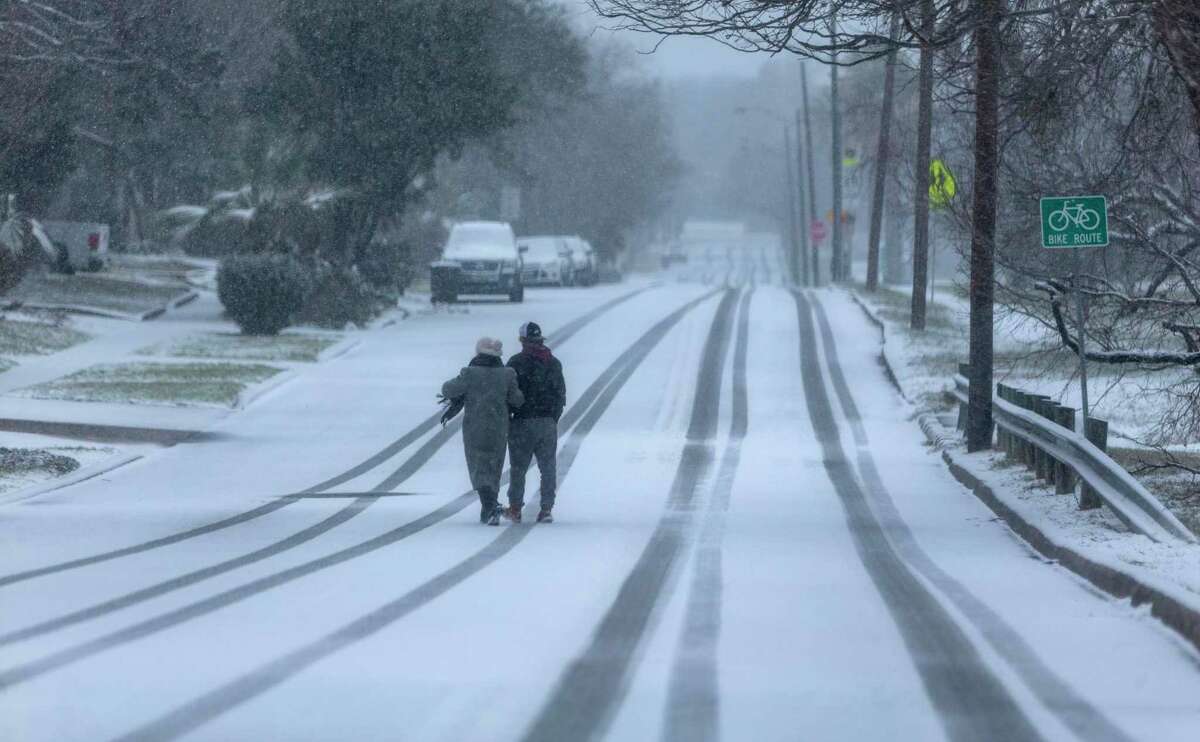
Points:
(942, 185)
(1076, 222)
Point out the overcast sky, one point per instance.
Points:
(677, 57)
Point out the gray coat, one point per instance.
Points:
(488, 392)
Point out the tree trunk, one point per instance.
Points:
(812, 177)
(983, 223)
(1177, 23)
(921, 192)
(881, 163)
(893, 246)
(837, 261)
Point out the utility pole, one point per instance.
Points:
(882, 155)
(812, 177)
(793, 253)
(921, 191)
(803, 216)
(838, 268)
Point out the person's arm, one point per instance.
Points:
(456, 387)
(560, 390)
(515, 397)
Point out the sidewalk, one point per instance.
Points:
(1093, 544)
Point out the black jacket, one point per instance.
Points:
(541, 380)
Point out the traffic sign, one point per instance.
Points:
(942, 186)
(818, 231)
(1074, 221)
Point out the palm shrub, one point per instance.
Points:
(262, 293)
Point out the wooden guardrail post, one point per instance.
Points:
(1045, 408)
(1002, 438)
(1065, 477)
(1095, 431)
(964, 369)
(1024, 449)
(1040, 459)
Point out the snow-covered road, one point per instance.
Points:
(751, 543)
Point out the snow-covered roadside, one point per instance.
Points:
(1093, 544)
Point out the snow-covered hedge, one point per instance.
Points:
(262, 293)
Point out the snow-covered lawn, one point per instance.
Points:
(199, 384)
(32, 337)
(291, 347)
(97, 292)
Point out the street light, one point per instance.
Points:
(795, 198)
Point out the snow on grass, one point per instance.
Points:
(185, 384)
(27, 460)
(281, 348)
(33, 338)
(95, 291)
(926, 361)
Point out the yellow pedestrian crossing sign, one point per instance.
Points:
(942, 185)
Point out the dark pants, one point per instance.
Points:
(488, 501)
(535, 437)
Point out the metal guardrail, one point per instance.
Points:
(1041, 434)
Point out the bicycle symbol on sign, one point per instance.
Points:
(1077, 214)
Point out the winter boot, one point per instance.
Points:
(545, 517)
(513, 513)
(494, 518)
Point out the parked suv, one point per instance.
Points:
(546, 260)
(487, 259)
(583, 261)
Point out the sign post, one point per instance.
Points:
(1076, 222)
(942, 189)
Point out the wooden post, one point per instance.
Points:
(1001, 435)
(1065, 480)
(1095, 431)
(1046, 462)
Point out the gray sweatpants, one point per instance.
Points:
(526, 439)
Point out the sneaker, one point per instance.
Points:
(513, 513)
(545, 517)
(494, 518)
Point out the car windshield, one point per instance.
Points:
(541, 248)
(481, 240)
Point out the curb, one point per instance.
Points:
(76, 477)
(248, 396)
(338, 349)
(1172, 611)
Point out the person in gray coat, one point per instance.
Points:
(488, 391)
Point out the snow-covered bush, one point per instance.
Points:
(262, 293)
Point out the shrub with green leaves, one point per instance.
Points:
(262, 293)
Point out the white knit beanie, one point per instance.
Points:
(489, 347)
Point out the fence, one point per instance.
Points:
(1041, 434)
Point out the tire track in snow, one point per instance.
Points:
(1081, 717)
(204, 709)
(404, 441)
(608, 383)
(972, 704)
(693, 696)
(584, 700)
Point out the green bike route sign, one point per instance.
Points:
(1074, 221)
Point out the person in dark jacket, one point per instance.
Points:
(488, 392)
(534, 430)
